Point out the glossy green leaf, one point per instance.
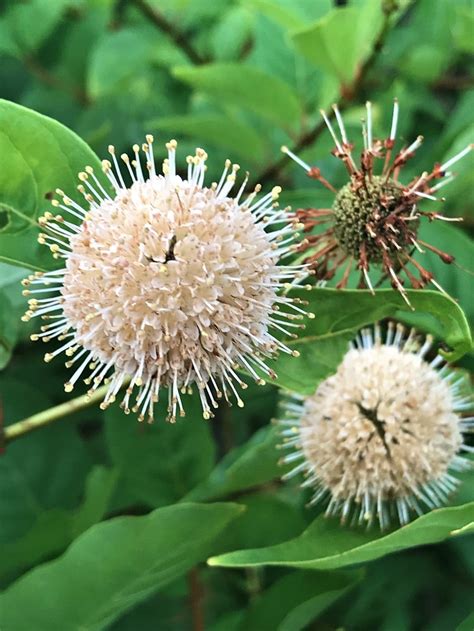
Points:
(464, 29)
(162, 462)
(426, 63)
(28, 24)
(291, 15)
(144, 48)
(295, 600)
(268, 519)
(55, 529)
(250, 465)
(42, 471)
(113, 566)
(285, 16)
(326, 545)
(273, 52)
(39, 155)
(341, 40)
(456, 278)
(12, 306)
(247, 87)
(232, 33)
(237, 137)
(467, 624)
(339, 314)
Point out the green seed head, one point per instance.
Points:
(360, 217)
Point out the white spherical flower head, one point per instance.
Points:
(381, 436)
(167, 283)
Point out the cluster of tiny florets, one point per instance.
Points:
(167, 283)
(354, 211)
(380, 437)
(375, 218)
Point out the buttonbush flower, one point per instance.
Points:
(166, 282)
(381, 437)
(375, 217)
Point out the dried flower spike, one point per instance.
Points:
(380, 438)
(375, 218)
(166, 282)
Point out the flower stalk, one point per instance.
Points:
(46, 417)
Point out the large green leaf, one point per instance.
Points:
(162, 462)
(107, 76)
(326, 545)
(269, 518)
(55, 529)
(28, 24)
(12, 306)
(340, 313)
(455, 278)
(44, 470)
(341, 40)
(224, 131)
(231, 33)
(467, 624)
(38, 156)
(295, 600)
(113, 566)
(249, 465)
(247, 87)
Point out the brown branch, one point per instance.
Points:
(180, 39)
(195, 599)
(454, 83)
(48, 78)
(348, 94)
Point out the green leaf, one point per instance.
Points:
(246, 466)
(456, 279)
(425, 63)
(326, 545)
(108, 75)
(28, 24)
(224, 131)
(12, 306)
(341, 313)
(43, 470)
(282, 15)
(460, 192)
(268, 519)
(55, 529)
(247, 87)
(160, 463)
(463, 30)
(231, 33)
(113, 566)
(467, 624)
(341, 40)
(289, 14)
(39, 155)
(295, 600)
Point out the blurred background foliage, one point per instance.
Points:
(241, 78)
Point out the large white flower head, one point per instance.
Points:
(166, 282)
(381, 437)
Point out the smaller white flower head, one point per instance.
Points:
(380, 438)
(166, 282)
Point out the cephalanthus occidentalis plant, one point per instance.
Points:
(375, 218)
(380, 439)
(167, 282)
